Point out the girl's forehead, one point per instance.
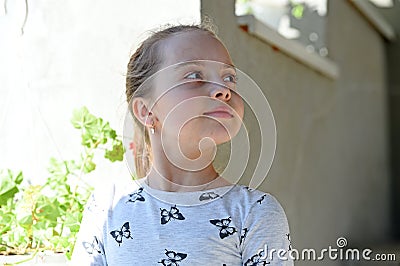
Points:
(193, 45)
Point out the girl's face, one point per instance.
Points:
(194, 92)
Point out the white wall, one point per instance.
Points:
(72, 53)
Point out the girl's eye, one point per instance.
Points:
(230, 78)
(193, 75)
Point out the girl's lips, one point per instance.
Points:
(220, 112)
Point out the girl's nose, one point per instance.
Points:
(221, 93)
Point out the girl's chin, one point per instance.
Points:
(215, 135)
(205, 141)
(217, 140)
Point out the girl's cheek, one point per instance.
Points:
(239, 105)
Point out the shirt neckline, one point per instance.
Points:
(186, 198)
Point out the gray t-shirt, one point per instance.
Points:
(138, 225)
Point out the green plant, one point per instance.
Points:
(47, 217)
(297, 9)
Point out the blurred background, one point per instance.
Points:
(329, 69)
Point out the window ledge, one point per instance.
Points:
(375, 18)
(290, 47)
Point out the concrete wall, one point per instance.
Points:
(393, 78)
(330, 172)
(393, 57)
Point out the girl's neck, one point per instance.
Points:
(170, 179)
(166, 176)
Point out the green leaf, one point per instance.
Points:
(26, 221)
(6, 222)
(8, 186)
(19, 178)
(68, 254)
(6, 195)
(57, 168)
(89, 166)
(297, 11)
(112, 134)
(81, 118)
(117, 152)
(87, 140)
(73, 221)
(48, 209)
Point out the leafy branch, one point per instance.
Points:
(48, 216)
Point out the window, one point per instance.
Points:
(303, 21)
(296, 27)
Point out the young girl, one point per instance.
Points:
(181, 90)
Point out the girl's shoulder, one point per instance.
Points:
(254, 196)
(253, 201)
(262, 207)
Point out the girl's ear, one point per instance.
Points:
(141, 112)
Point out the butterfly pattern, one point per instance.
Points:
(243, 235)
(208, 196)
(257, 260)
(260, 200)
(224, 229)
(249, 188)
(173, 258)
(92, 248)
(124, 232)
(137, 196)
(173, 213)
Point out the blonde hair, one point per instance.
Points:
(143, 64)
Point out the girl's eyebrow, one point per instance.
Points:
(200, 63)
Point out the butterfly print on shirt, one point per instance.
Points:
(261, 199)
(249, 188)
(173, 258)
(256, 260)
(243, 235)
(118, 235)
(137, 196)
(173, 213)
(93, 247)
(208, 196)
(224, 228)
